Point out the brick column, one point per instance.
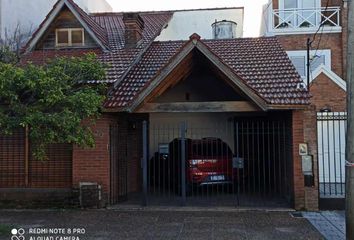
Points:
(304, 130)
(310, 137)
(298, 137)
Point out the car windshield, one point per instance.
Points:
(210, 149)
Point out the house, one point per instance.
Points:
(204, 119)
(325, 24)
(14, 13)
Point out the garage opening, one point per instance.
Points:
(217, 159)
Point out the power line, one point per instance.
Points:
(321, 27)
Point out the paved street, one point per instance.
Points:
(123, 224)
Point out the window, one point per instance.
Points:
(299, 59)
(69, 37)
(304, 16)
(303, 4)
(290, 4)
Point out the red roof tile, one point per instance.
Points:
(260, 62)
(118, 58)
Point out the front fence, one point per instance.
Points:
(18, 169)
(240, 162)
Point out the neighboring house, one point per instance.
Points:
(220, 118)
(185, 22)
(293, 22)
(27, 15)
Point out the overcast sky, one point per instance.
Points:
(143, 5)
(253, 8)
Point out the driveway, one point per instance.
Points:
(145, 224)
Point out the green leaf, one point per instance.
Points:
(52, 100)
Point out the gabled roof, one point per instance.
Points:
(330, 74)
(96, 31)
(260, 65)
(119, 59)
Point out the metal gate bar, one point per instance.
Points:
(331, 129)
(232, 163)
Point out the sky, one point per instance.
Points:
(252, 18)
(143, 5)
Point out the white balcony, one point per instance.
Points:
(299, 21)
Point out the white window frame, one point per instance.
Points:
(299, 4)
(303, 53)
(69, 44)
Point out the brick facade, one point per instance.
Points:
(310, 137)
(93, 165)
(332, 41)
(327, 94)
(336, 42)
(298, 137)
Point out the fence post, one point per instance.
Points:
(183, 162)
(144, 164)
(27, 156)
(237, 159)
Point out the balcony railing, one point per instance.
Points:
(298, 20)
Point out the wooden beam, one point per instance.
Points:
(229, 106)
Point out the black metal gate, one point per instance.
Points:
(240, 162)
(331, 137)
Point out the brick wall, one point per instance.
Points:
(332, 41)
(93, 165)
(298, 137)
(304, 131)
(310, 137)
(337, 42)
(327, 94)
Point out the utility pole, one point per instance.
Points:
(308, 44)
(349, 205)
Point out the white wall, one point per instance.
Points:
(28, 14)
(185, 23)
(164, 127)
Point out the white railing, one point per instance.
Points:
(305, 19)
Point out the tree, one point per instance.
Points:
(52, 100)
(11, 44)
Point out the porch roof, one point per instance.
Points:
(261, 64)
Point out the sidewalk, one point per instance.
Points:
(330, 224)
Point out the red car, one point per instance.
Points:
(209, 161)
